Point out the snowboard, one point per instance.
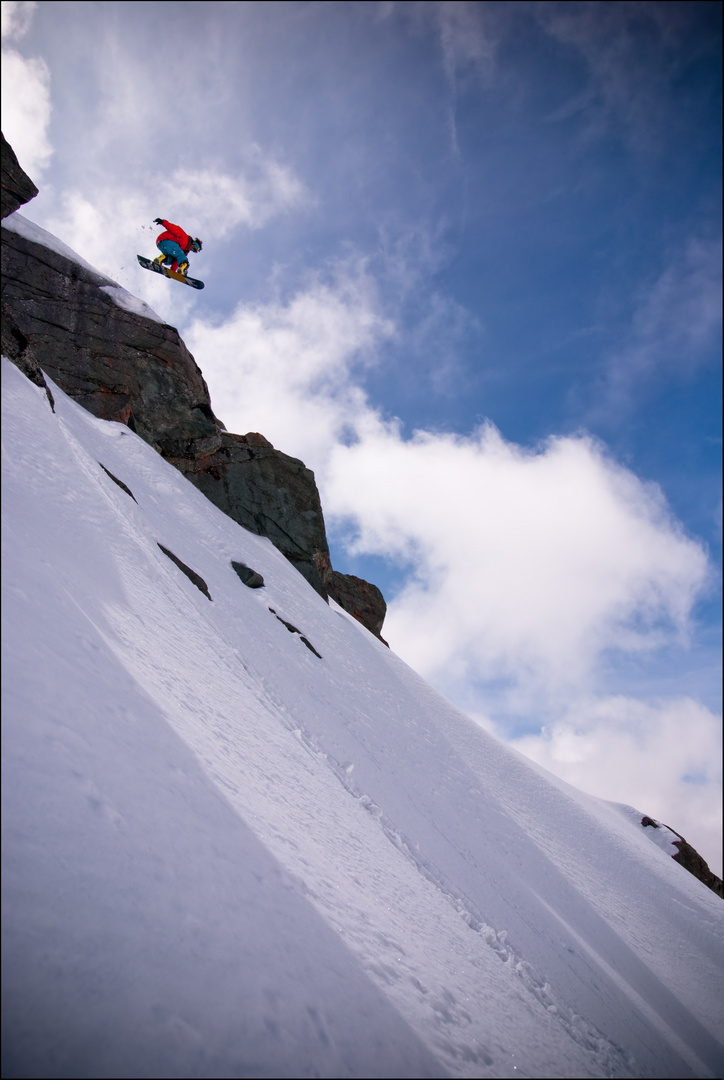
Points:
(147, 264)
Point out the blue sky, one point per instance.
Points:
(464, 259)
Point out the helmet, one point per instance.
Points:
(196, 244)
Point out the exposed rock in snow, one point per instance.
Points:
(193, 577)
(250, 577)
(359, 598)
(687, 856)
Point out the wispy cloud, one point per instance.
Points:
(673, 330)
(26, 105)
(220, 203)
(467, 38)
(633, 53)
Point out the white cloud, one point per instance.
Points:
(284, 368)
(26, 103)
(664, 758)
(16, 18)
(529, 565)
(220, 203)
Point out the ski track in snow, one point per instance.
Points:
(497, 909)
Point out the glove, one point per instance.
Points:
(157, 221)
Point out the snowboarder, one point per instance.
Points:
(175, 245)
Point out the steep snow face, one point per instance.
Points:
(226, 855)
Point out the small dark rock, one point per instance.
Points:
(293, 630)
(310, 647)
(119, 482)
(190, 574)
(250, 577)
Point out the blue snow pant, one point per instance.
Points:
(173, 251)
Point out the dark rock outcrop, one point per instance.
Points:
(692, 861)
(17, 187)
(359, 598)
(16, 347)
(59, 317)
(250, 577)
(689, 858)
(267, 492)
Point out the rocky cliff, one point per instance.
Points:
(62, 317)
(17, 187)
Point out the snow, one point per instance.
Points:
(224, 856)
(131, 303)
(663, 836)
(30, 231)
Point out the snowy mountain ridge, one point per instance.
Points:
(243, 838)
(227, 856)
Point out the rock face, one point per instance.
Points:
(267, 492)
(691, 860)
(17, 187)
(60, 316)
(359, 598)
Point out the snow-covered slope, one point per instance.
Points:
(228, 856)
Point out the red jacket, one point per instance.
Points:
(175, 232)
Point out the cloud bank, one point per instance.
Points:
(25, 93)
